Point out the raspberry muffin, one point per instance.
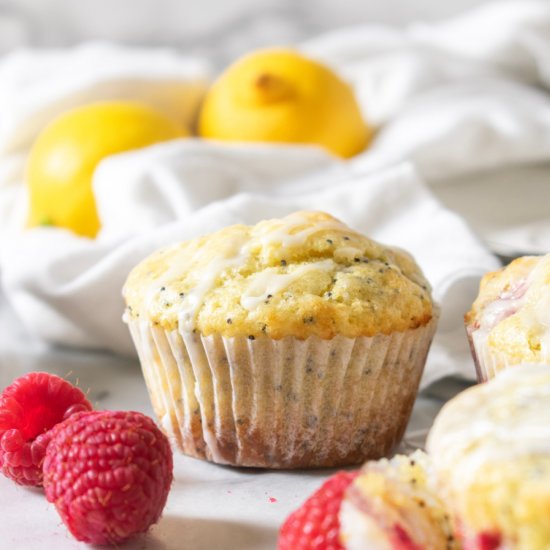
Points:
(509, 323)
(297, 342)
(490, 447)
(393, 505)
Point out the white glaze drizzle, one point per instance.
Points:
(155, 286)
(541, 315)
(502, 419)
(365, 518)
(235, 255)
(532, 305)
(535, 309)
(194, 299)
(497, 311)
(269, 283)
(360, 531)
(284, 235)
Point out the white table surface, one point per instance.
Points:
(209, 508)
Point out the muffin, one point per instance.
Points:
(509, 323)
(294, 343)
(393, 505)
(490, 447)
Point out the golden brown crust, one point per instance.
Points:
(509, 322)
(495, 283)
(303, 275)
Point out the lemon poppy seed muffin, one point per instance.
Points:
(509, 323)
(277, 345)
(490, 447)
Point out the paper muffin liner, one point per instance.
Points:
(285, 403)
(488, 362)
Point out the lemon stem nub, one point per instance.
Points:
(270, 88)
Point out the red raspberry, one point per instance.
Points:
(315, 525)
(108, 474)
(484, 541)
(29, 408)
(401, 540)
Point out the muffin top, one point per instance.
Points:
(395, 495)
(505, 418)
(512, 311)
(490, 447)
(302, 275)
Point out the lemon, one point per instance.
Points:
(281, 96)
(63, 159)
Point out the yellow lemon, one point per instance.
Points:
(63, 159)
(279, 95)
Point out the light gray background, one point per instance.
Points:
(221, 29)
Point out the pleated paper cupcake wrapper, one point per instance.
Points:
(488, 362)
(285, 403)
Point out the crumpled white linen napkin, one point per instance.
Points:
(501, 41)
(452, 99)
(38, 85)
(67, 289)
(461, 98)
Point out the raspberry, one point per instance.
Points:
(485, 541)
(29, 408)
(108, 474)
(315, 525)
(401, 539)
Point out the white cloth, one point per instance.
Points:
(467, 101)
(67, 289)
(38, 85)
(453, 99)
